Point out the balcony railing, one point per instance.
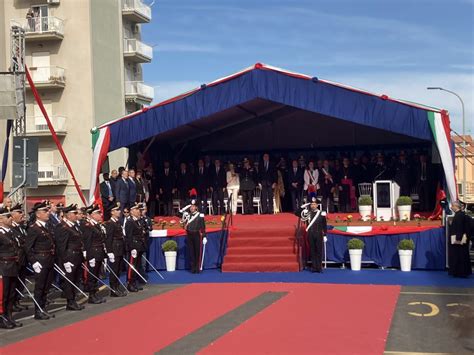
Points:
(136, 10)
(37, 125)
(55, 173)
(52, 76)
(138, 90)
(49, 27)
(137, 50)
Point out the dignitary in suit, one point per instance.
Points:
(248, 178)
(141, 187)
(106, 191)
(69, 248)
(423, 178)
(296, 183)
(135, 243)
(184, 183)
(94, 236)
(9, 268)
(345, 181)
(166, 188)
(55, 211)
(217, 186)
(316, 227)
(115, 245)
(380, 169)
(195, 233)
(201, 182)
(132, 183)
(40, 248)
(122, 194)
(403, 175)
(19, 232)
(327, 185)
(458, 249)
(267, 180)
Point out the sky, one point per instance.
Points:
(397, 48)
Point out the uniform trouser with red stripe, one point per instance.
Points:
(132, 274)
(9, 284)
(193, 246)
(43, 281)
(116, 267)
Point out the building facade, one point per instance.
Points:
(85, 58)
(466, 194)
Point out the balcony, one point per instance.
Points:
(136, 11)
(36, 126)
(48, 77)
(54, 174)
(137, 51)
(136, 91)
(41, 28)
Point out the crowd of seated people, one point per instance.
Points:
(279, 183)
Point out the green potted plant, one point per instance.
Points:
(170, 248)
(404, 207)
(355, 247)
(405, 252)
(365, 207)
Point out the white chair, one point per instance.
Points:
(256, 200)
(210, 208)
(365, 189)
(415, 196)
(240, 203)
(176, 202)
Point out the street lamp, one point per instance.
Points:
(463, 139)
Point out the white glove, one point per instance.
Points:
(325, 239)
(134, 253)
(85, 254)
(92, 262)
(111, 257)
(204, 241)
(68, 267)
(37, 267)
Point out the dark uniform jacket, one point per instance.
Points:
(69, 244)
(19, 233)
(94, 236)
(9, 253)
(115, 241)
(196, 223)
(135, 237)
(184, 183)
(267, 177)
(201, 180)
(248, 179)
(217, 180)
(40, 245)
(460, 225)
(297, 177)
(319, 227)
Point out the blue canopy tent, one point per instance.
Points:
(268, 107)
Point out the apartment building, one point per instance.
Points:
(85, 58)
(468, 154)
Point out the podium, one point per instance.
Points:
(386, 194)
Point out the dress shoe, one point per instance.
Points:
(132, 288)
(5, 324)
(73, 306)
(93, 299)
(139, 288)
(41, 316)
(14, 322)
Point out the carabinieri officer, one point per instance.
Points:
(195, 233)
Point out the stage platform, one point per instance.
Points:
(267, 243)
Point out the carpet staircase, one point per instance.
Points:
(265, 244)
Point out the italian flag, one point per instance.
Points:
(439, 123)
(354, 229)
(100, 146)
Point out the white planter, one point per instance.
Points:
(405, 259)
(170, 257)
(404, 212)
(365, 212)
(356, 259)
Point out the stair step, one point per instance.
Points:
(261, 267)
(281, 250)
(258, 242)
(259, 258)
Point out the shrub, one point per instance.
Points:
(169, 245)
(406, 244)
(404, 201)
(355, 243)
(365, 201)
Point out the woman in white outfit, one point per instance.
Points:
(233, 186)
(311, 178)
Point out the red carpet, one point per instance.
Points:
(261, 243)
(315, 319)
(309, 319)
